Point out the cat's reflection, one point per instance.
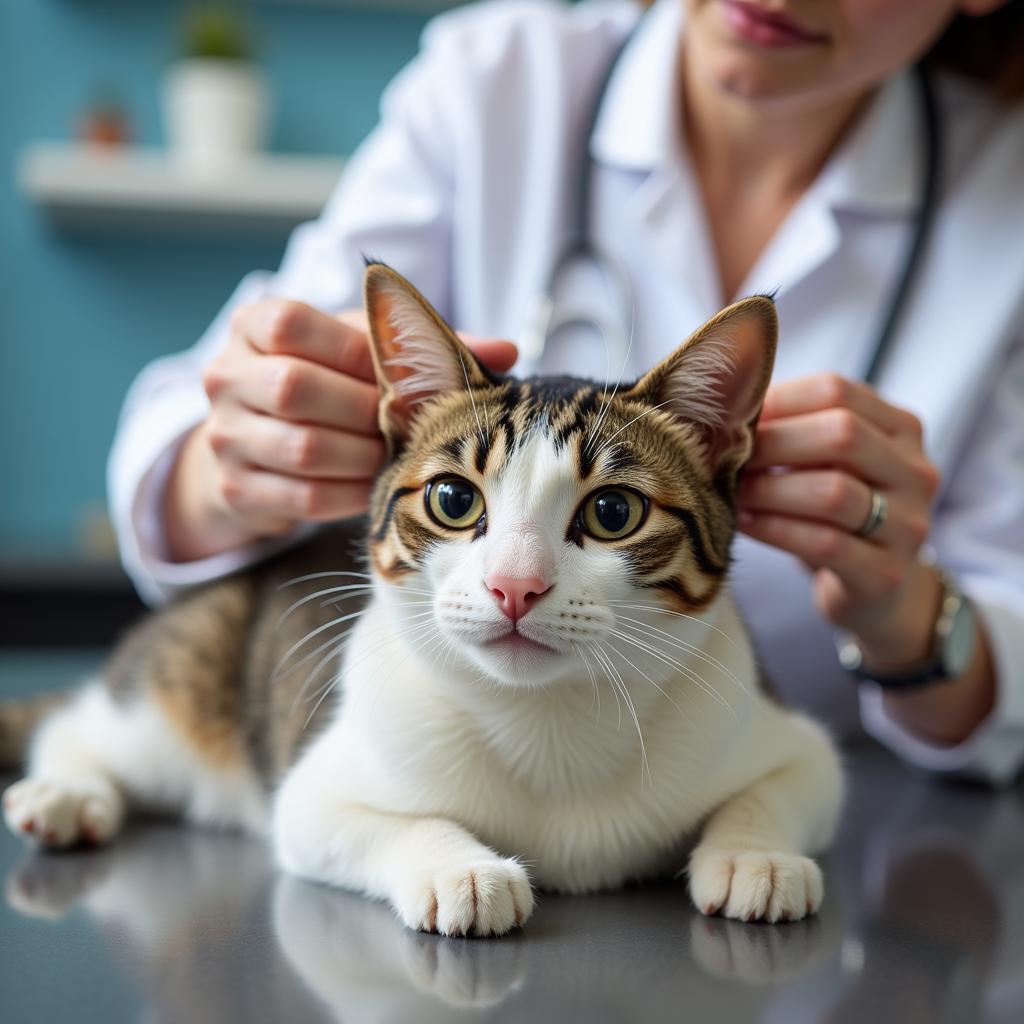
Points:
(622, 956)
(185, 913)
(931, 927)
(180, 915)
(361, 961)
(732, 950)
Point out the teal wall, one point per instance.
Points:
(80, 314)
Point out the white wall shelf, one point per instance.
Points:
(146, 190)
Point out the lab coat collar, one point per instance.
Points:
(876, 169)
(636, 126)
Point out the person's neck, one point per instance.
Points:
(753, 163)
(789, 144)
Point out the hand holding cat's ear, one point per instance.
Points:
(826, 445)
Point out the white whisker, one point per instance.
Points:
(334, 640)
(309, 636)
(348, 667)
(321, 575)
(363, 588)
(686, 646)
(644, 763)
(646, 412)
(690, 674)
(682, 615)
(593, 679)
(603, 412)
(636, 668)
(472, 398)
(615, 693)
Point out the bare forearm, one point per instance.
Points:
(951, 709)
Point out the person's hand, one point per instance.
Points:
(824, 444)
(292, 433)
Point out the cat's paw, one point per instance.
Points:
(751, 885)
(481, 896)
(56, 814)
(48, 887)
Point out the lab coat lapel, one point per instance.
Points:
(873, 173)
(963, 338)
(670, 224)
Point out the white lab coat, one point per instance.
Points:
(466, 187)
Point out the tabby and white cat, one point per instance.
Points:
(550, 680)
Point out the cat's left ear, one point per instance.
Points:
(717, 379)
(416, 355)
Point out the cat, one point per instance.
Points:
(549, 684)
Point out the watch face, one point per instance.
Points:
(958, 648)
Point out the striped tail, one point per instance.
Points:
(18, 721)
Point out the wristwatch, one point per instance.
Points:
(955, 635)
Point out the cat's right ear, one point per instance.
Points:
(416, 355)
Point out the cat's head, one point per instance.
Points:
(518, 522)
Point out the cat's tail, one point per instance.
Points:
(18, 721)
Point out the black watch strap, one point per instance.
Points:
(851, 658)
(954, 635)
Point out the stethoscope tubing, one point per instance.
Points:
(544, 319)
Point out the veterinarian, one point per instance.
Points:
(712, 149)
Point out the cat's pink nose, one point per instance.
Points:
(516, 595)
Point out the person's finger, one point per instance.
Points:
(867, 570)
(258, 494)
(839, 437)
(298, 449)
(284, 327)
(298, 390)
(830, 391)
(836, 499)
(496, 354)
(829, 496)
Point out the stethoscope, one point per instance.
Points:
(547, 317)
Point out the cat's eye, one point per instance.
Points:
(454, 503)
(612, 513)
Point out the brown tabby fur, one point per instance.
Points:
(209, 659)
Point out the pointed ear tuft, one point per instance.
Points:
(717, 379)
(416, 355)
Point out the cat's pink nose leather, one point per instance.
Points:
(516, 595)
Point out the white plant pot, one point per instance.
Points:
(216, 112)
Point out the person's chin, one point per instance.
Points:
(753, 75)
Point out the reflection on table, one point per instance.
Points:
(922, 923)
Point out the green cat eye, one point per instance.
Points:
(612, 513)
(454, 503)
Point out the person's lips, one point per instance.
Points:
(775, 29)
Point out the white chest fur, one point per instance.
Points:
(590, 784)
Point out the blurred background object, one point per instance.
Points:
(104, 121)
(114, 255)
(216, 99)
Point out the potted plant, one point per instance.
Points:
(215, 98)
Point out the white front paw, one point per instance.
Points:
(484, 895)
(57, 814)
(751, 885)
